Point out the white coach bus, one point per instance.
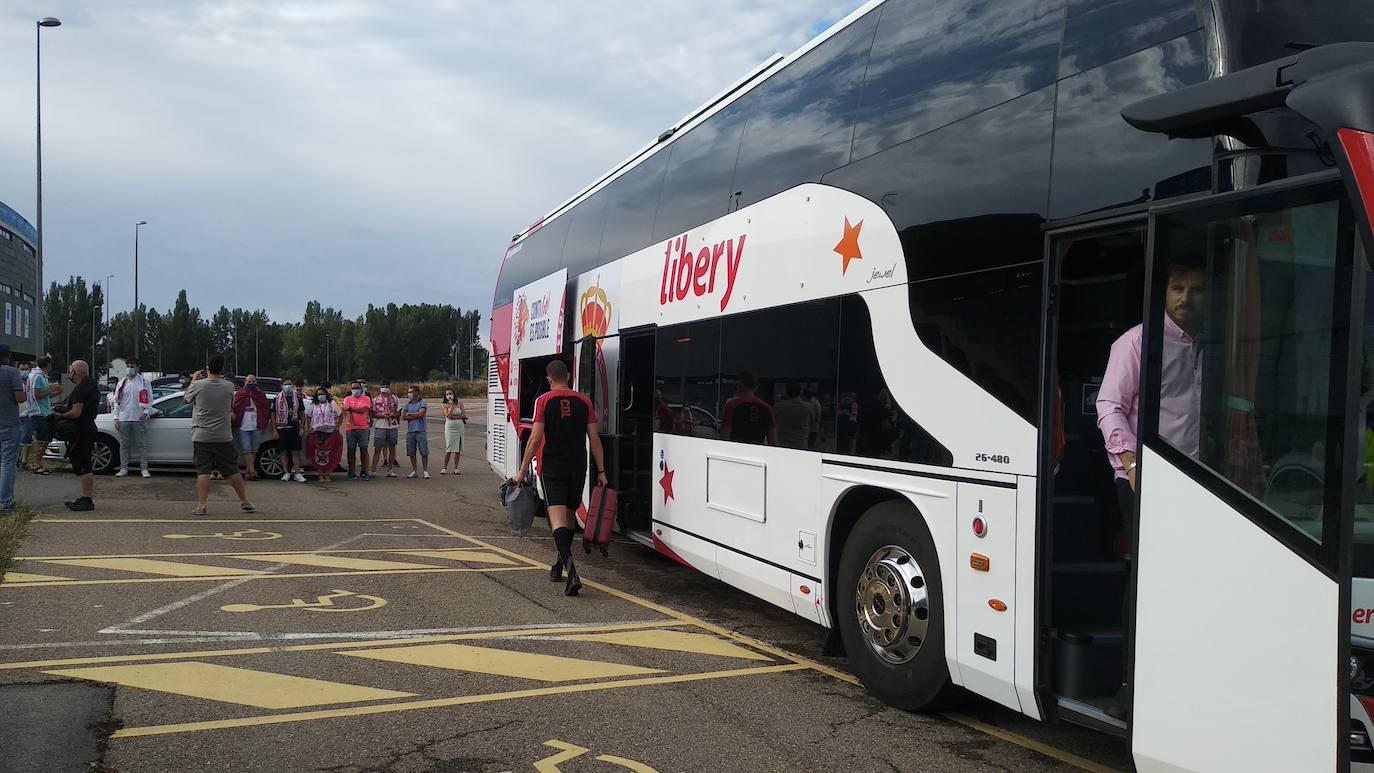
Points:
(844, 327)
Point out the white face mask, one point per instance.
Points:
(449, 395)
(386, 390)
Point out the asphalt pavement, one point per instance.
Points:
(396, 625)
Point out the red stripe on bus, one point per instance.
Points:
(1359, 150)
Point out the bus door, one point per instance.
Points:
(1242, 579)
(638, 403)
(1240, 654)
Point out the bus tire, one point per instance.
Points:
(890, 605)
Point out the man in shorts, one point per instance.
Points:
(82, 407)
(357, 410)
(40, 394)
(564, 426)
(417, 437)
(386, 422)
(211, 397)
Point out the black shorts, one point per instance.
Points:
(563, 488)
(222, 457)
(79, 453)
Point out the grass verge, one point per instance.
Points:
(12, 530)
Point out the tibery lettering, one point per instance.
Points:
(694, 273)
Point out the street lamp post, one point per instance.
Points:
(138, 327)
(105, 301)
(326, 357)
(46, 21)
(68, 361)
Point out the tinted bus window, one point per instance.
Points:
(630, 205)
(1100, 161)
(868, 422)
(701, 165)
(1101, 31)
(801, 358)
(686, 373)
(1257, 32)
(582, 251)
(936, 61)
(987, 325)
(802, 123)
(968, 196)
(539, 255)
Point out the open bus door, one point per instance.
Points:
(1241, 577)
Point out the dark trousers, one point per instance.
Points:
(1125, 499)
(289, 441)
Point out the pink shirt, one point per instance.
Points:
(357, 412)
(1180, 398)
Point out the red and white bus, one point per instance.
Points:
(844, 328)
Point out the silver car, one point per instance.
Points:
(169, 441)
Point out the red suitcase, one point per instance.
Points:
(600, 519)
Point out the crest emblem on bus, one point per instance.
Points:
(522, 319)
(596, 313)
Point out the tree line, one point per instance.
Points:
(407, 342)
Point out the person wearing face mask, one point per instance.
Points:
(287, 417)
(252, 418)
(323, 443)
(417, 439)
(386, 413)
(455, 424)
(131, 404)
(357, 409)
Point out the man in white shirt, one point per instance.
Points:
(131, 404)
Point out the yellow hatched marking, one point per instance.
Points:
(434, 703)
(227, 684)
(149, 566)
(334, 562)
(675, 641)
(484, 660)
(474, 556)
(13, 577)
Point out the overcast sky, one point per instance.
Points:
(351, 151)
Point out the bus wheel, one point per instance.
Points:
(891, 608)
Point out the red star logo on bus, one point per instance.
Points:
(667, 483)
(848, 248)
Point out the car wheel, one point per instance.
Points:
(890, 605)
(104, 456)
(268, 460)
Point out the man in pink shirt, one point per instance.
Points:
(1180, 400)
(357, 411)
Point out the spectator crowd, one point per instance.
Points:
(230, 425)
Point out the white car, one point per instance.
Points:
(169, 441)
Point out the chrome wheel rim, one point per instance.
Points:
(270, 462)
(102, 456)
(892, 604)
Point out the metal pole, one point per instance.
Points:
(326, 357)
(257, 365)
(105, 301)
(69, 339)
(46, 21)
(138, 326)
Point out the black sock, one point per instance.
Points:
(563, 538)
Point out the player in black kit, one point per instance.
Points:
(564, 427)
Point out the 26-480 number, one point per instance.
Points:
(993, 458)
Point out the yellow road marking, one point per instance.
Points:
(333, 646)
(681, 617)
(1028, 743)
(637, 767)
(227, 684)
(150, 566)
(323, 603)
(485, 660)
(13, 577)
(568, 752)
(136, 580)
(334, 562)
(675, 641)
(247, 535)
(233, 553)
(476, 556)
(222, 520)
(463, 700)
(801, 662)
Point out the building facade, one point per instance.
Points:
(19, 308)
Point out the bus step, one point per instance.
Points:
(1091, 716)
(642, 536)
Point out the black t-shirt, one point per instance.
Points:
(87, 395)
(565, 415)
(748, 418)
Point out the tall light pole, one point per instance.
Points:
(46, 21)
(138, 327)
(105, 299)
(326, 358)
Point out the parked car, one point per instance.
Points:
(702, 422)
(169, 441)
